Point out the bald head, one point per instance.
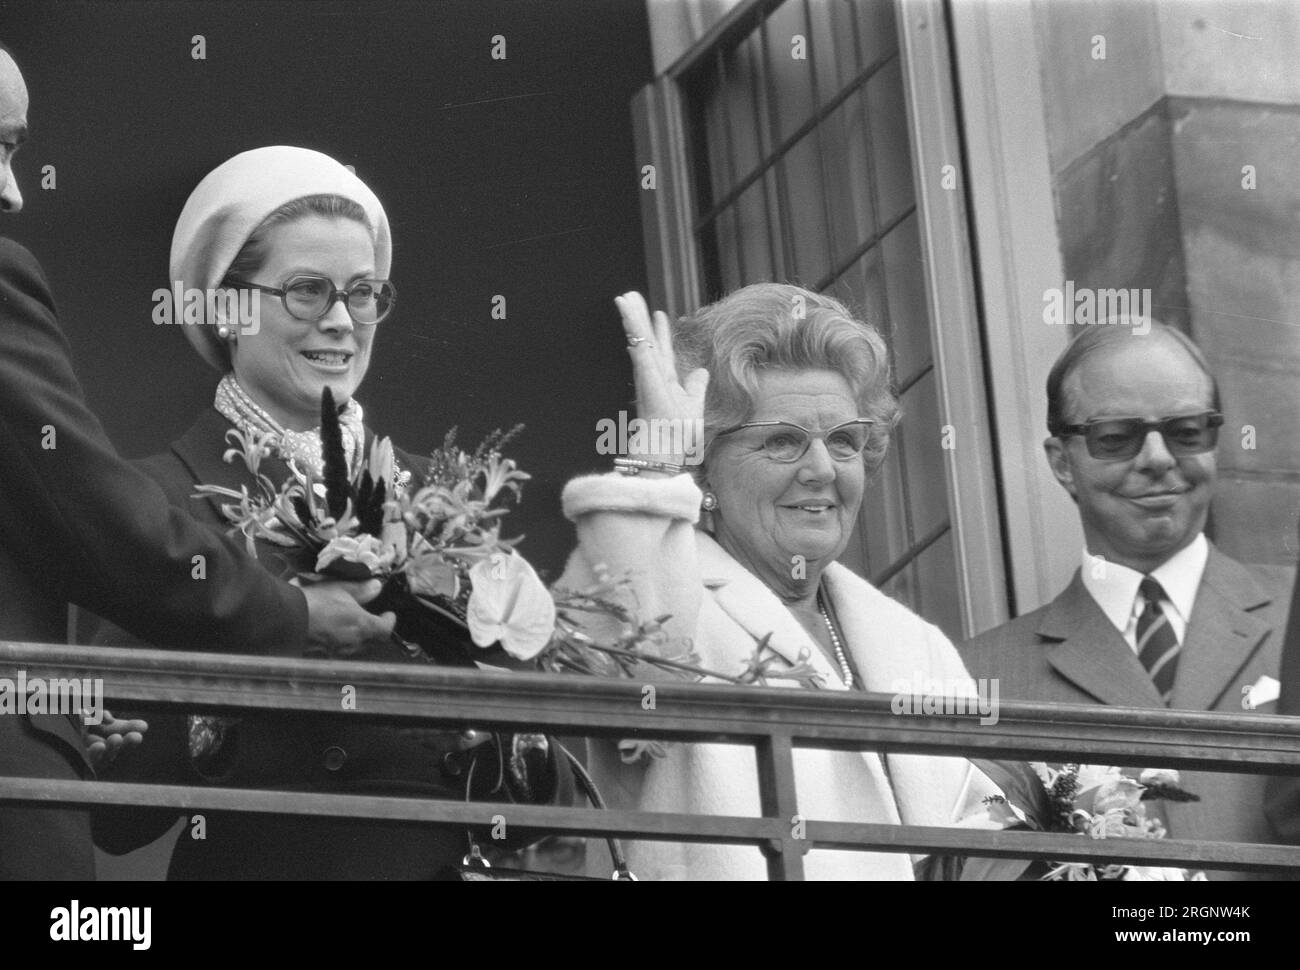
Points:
(1122, 339)
(13, 129)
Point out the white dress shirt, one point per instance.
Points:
(1115, 588)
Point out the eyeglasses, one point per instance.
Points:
(311, 297)
(1119, 439)
(787, 442)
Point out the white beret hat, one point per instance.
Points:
(234, 199)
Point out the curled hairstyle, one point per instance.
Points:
(1097, 337)
(252, 255)
(769, 327)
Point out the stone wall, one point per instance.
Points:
(1174, 162)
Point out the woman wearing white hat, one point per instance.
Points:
(311, 241)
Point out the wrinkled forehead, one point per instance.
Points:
(1143, 378)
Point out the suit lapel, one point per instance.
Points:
(200, 450)
(1084, 647)
(1222, 634)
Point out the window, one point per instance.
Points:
(785, 137)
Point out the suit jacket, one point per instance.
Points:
(78, 523)
(647, 526)
(1283, 803)
(307, 753)
(1069, 652)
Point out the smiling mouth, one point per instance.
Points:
(815, 507)
(328, 358)
(1159, 501)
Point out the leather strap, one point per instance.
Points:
(584, 780)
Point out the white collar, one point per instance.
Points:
(1115, 587)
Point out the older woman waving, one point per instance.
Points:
(796, 409)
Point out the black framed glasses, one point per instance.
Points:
(309, 298)
(786, 441)
(1119, 439)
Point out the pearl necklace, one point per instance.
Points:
(238, 407)
(846, 672)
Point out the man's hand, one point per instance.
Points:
(111, 735)
(337, 625)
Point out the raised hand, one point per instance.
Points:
(336, 623)
(660, 393)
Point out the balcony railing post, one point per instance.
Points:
(777, 796)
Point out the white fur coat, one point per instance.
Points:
(647, 526)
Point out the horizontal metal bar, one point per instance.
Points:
(1054, 846)
(655, 826)
(175, 680)
(736, 830)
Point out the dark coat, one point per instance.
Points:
(303, 753)
(1069, 652)
(1284, 792)
(79, 524)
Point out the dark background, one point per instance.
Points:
(513, 177)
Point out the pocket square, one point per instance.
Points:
(1264, 691)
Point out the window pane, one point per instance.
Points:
(883, 517)
(848, 189)
(790, 77)
(831, 47)
(923, 457)
(862, 289)
(745, 131)
(902, 586)
(756, 232)
(889, 146)
(802, 168)
(729, 252)
(939, 600)
(716, 136)
(877, 32)
(905, 288)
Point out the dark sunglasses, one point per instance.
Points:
(1119, 439)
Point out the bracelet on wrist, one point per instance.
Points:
(635, 466)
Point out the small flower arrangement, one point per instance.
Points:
(1101, 802)
(462, 593)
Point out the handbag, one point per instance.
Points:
(474, 868)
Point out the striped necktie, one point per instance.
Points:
(1157, 646)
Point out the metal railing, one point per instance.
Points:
(774, 721)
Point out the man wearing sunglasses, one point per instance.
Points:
(1156, 616)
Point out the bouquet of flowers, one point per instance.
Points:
(1097, 801)
(461, 592)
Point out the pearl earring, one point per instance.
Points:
(710, 502)
(223, 332)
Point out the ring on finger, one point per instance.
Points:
(633, 341)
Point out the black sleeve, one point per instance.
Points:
(96, 530)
